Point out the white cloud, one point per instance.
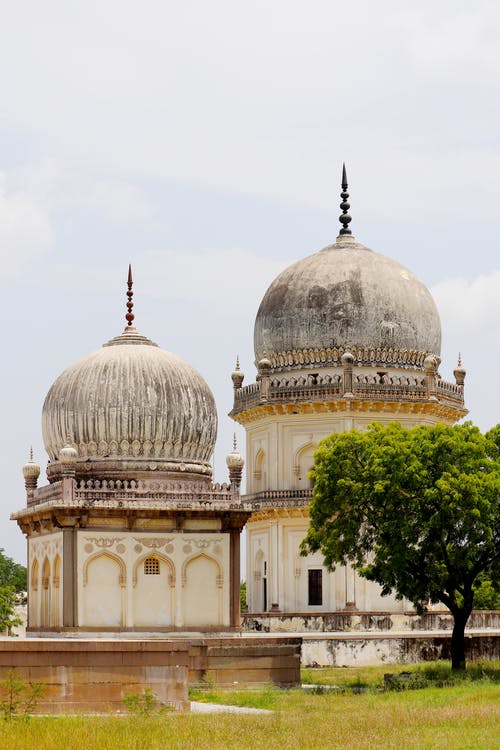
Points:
(227, 281)
(120, 202)
(470, 308)
(25, 227)
(265, 98)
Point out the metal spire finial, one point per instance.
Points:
(129, 317)
(31, 453)
(459, 359)
(235, 446)
(344, 218)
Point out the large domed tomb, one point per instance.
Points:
(346, 297)
(131, 534)
(343, 338)
(131, 403)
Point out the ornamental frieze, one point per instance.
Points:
(104, 542)
(153, 542)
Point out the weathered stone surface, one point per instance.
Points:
(372, 649)
(131, 399)
(363, 621)
(345, 296)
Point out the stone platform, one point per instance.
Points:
(93, 675)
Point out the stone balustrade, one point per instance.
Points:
(373, 387)
(131, 493)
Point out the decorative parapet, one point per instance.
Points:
(317, 387)
(278, 499)
(140, 493)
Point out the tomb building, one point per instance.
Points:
(342, 338)
(130, 533)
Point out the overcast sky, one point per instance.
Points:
(203, 142)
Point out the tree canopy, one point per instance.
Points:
(416, 510)
(13, 580)
(12, 574)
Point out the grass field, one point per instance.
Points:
(464, 715)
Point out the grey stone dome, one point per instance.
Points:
(346, 297)
(132, 401)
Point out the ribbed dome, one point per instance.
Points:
(132, 400)
(346, 297)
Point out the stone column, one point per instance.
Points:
(69, 579)
(234, 578)
(431, 364)
(264, 368)
(347, 363)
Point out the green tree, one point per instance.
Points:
(416, 510)
(12, 574)
(13, 580)
(8, 617)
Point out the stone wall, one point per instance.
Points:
(332, 622)
(93, 676)
(245, 661)
(358, 650)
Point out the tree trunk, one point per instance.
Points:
(460, 618)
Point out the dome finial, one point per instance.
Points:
(344, 218)
(129, 317)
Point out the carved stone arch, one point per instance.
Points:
(56, 571)
(300, 471)
(259, 564)
(198, 556)
(35, 569)
(156, 556)
(260, 458)
(110, 555)
(45, 573)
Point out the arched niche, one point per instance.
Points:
(153, 581)
(260, 470)
(303, 462)
(103, 591)
(46, 594)
(202, 591)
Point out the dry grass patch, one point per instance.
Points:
(463, 717)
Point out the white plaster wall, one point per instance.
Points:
(49, 602)
(192, 589)
(288, 442)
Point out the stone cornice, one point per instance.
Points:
(441, 410)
